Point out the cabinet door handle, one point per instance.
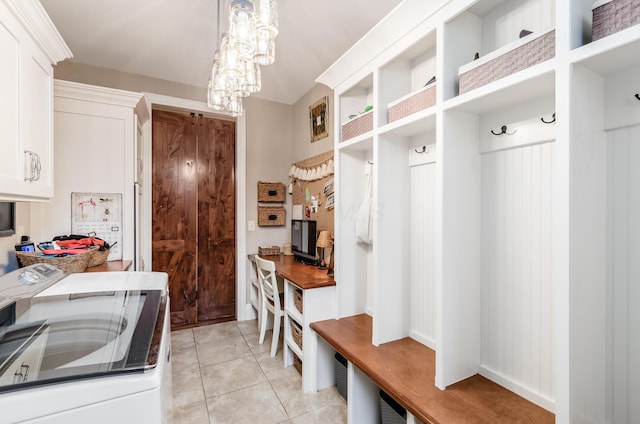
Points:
(33, 165)
(38, 167)
(30, 165)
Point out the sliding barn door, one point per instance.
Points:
(193, 204)
(216, 220)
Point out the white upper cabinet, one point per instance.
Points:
(29, 47)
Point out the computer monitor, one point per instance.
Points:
(303, 240)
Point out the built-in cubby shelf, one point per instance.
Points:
(495, 208)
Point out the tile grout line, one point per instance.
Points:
(275, 392)
(204, 394)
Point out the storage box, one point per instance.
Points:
(526, 52)
(297, 363)
(270, 192)
(340, 366)
(268, 251)
(297, 299)
(412, 103)
(271, 216)
(610, 16)
(391, 411)
(360, 125)
(296, 333)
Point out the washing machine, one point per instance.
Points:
(84, 348)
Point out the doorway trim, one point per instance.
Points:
(159, 100)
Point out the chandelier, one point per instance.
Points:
(248, 44)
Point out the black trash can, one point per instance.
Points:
(340, 366)
(391, 411)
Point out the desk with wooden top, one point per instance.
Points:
(405, 369)
(109, 266)
(316, 293)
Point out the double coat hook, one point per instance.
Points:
(503, 131)
(553, 119)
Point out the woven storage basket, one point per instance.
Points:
(537, 50)
(613, 16)
(98, 257)
(268, 251)
(270, 216)
(357, 126)
(270, 192)
(413, 103)
(297, 363)
(297, 299)
(296, 333)
(68, 264)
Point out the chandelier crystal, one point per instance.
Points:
(248, 44)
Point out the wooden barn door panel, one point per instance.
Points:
(216, 220)
(194, 214)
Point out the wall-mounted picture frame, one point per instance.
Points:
(331, 201)
(319, 119)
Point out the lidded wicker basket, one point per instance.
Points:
(68, 264)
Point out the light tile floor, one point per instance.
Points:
(222, 375)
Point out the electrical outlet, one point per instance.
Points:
(251, 225)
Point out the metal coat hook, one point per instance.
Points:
(370, 162)
(552, 120)
(503, 130)
(637, 96)
(424, 150)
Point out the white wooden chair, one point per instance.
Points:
(254, 290)
(272, 301)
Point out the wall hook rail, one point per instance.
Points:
(553, 119)
(503, 131)
(637, 96)
(424, 150)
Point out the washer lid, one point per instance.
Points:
(81, 336)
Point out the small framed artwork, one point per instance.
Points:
(330, 201)
(319, 119)
(328, 187)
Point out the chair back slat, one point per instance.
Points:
(268, 281)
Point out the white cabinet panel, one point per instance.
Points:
(517, 319)
(29, 46)
(95, 131)
(623, 271)
(10, 164)
(423, 304)
(37, 122)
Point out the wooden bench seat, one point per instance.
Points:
(405, 369)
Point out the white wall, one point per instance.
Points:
(301, 145)
(269, 156)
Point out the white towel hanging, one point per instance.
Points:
(364, 223)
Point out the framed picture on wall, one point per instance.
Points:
(331, 201)
(319, 119)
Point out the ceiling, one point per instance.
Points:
(176, 40)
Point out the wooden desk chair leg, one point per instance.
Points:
(276, 334)
(264, 317)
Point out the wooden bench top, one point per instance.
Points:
(405, 369)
